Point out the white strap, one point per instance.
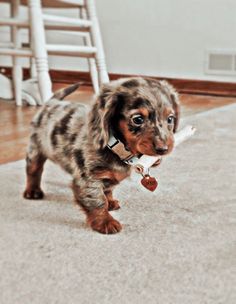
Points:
(117, 147)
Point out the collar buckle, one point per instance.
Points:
(118, 148)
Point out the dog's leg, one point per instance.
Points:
(90, 196)
(34, 169)
(113, 204)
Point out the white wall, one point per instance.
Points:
(160, 37)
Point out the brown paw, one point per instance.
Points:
(108, 226)
(33, 194)
(113, 205)
(103, 222)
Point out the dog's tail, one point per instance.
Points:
(61, 94)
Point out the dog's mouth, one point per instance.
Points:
(162, 150)
(154, 153)
(152, 149)
(148, 146)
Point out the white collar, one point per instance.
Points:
(117, 147)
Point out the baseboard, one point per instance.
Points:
(182, 85)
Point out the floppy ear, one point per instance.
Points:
(174, 99)
(100, 116)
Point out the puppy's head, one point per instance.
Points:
(143, 113)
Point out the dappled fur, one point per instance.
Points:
(75, 138)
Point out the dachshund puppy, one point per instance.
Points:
(131, 117)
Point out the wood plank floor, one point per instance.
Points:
(14, 121)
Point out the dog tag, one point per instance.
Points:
(149, 182)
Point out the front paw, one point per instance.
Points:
(104, 223)
(113, 205)
(33, 194)
(107, 226)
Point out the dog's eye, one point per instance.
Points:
(170, 119)
(138, 119)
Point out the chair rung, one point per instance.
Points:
(77, 3)
(59, 3)
(72, 32)
(71, 50)
(49, 25)
(16, 52)
(67, 20)
(6, 44)
(53, 49)
(50, 21)
(14, 22)
(56, 3)
(65, 27)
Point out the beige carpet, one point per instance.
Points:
(178, 244)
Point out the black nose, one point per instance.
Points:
(161, 150)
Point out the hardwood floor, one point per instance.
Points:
(15, 121)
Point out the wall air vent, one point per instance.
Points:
(221, 62)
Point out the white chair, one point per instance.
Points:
(28, 90)
(37, 21)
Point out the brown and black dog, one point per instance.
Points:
(141, 113)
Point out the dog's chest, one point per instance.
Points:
(114, 176)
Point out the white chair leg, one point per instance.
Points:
(97, 42)
(93, 73)
(17, 80)
(16, 68)
(40, 52)
(6, 91)
(91, 61)
(33, 71)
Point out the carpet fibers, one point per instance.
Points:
(178, 244)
